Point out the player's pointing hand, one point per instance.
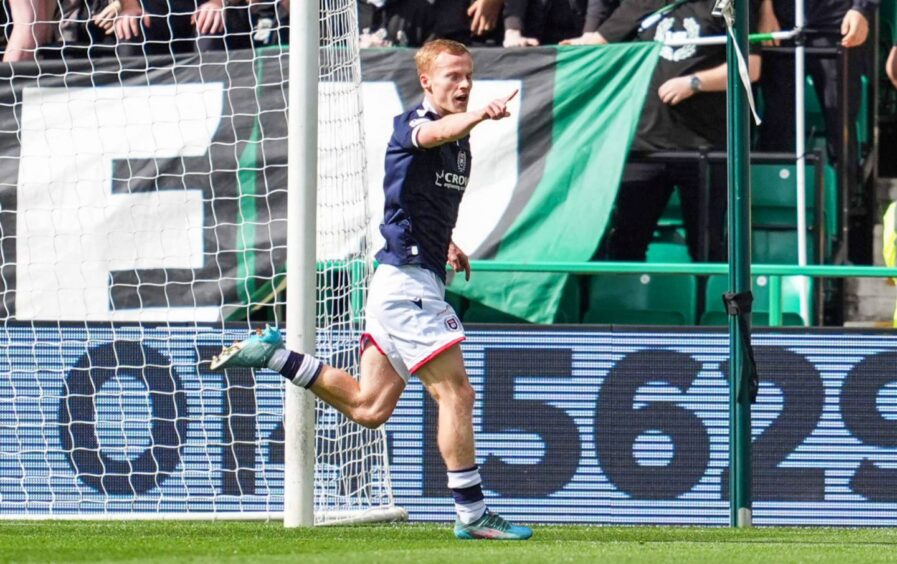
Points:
(498, 108)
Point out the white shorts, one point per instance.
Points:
(408, 319)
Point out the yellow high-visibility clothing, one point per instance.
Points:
(889, 241)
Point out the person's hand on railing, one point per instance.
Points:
(126, 24)
(209, 18)
(587, 38)
(514, 38)
(768, 22)
(376, 39)
(854, 29)
(105, 18)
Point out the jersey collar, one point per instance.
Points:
(429, 107)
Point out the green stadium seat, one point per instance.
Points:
(668, 241)
(668, 245)
(718, 285)
(774, 195)
(642, 299)
(774, 211)
(672, 214)
(663, 251)
(776, 246)
(815, 119)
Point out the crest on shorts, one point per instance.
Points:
(452, 323)
(462, 160)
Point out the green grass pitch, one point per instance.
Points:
(73, 541)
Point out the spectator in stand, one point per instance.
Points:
(847, 24)
(597, 12)
(270, 22)
(33, 23)
(485, 21)
(542, 22)
(685, 109)
(411, 23)
(79, 35)
(395, 23)
(223, 24)
(158, 27)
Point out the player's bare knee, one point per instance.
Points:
(468, 394)
(461, 396)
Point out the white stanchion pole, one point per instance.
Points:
(800, 148)
(721, 39)
(299, 406)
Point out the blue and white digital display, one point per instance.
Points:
(586, 425)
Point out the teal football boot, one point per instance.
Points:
(254, 352)
(491, 526)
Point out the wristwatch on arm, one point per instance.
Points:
(695, 83)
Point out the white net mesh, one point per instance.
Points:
(352, 463)
(142, 226)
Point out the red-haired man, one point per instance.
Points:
(409, 327)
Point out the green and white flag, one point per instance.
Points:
(542, 182)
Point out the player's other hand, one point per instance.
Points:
(675, 90)
(854, 29)
(458, 260)
(498, 108)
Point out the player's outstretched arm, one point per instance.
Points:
(455, 126)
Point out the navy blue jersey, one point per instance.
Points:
(423, 191)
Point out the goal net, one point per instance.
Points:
(143, 226)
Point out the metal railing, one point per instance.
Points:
(775, 273)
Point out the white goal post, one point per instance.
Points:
(151, 208)
(302, 174)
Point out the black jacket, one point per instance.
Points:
(824, 15)
(549, 21)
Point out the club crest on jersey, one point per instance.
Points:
(462, 161)
(665, 32)
(452, 323)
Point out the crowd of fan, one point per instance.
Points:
(685, 108)
(96, 28)
(131, 27)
